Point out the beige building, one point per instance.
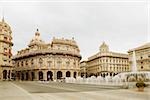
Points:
(5, 51)
(142, 54)
(48, 61)
(106, 62)
(83, 69)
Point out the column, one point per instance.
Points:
(63, 74)
(10, 74)
(54, 75)
(36, 75)
(77, 74)
(1, 75)
(72, 73)
(45, 75)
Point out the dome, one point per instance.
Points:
(36, 39)
(104, 47)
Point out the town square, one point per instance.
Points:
(75, 50)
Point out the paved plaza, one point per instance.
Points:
(23, 90)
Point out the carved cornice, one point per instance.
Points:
(45, 52)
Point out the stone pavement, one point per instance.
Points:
(13, 91)
(97, 95)
(9, 91)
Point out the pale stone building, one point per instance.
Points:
(142, 55)
(48, 61)
(5, 51)
(83, 68)
(106, 62)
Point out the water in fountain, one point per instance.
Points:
(134, 67)
(125, 77)
(135, 75)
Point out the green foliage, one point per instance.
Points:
(140, 84)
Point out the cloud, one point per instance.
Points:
(122, 25)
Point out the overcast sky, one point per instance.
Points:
(122, 25)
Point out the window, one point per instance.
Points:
(26, 62)
(22, 63)
(5, 38)
(106, 60)
(49, 63)
(59, 64)
(67, 62)
(5, 60)
(32, 61)
(74, 63)
(5, 49)
(40, 61)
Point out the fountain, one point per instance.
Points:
(135, 75)
(134, 67)
(126, 79)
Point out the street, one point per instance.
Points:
(23, 90)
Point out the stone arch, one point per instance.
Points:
(59, 75)
(27, 75)
(32, 76)
(49, 75)
(18, 75)
(114, 74)
(103, 74)
(75, 74)
(111, 74)
(22, 76)
(68, 74)
(5, 74)
(40, 75)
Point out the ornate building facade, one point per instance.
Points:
(83, 69)
(5, 51)
(142, 54)
(47, 61)
(106, 63)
